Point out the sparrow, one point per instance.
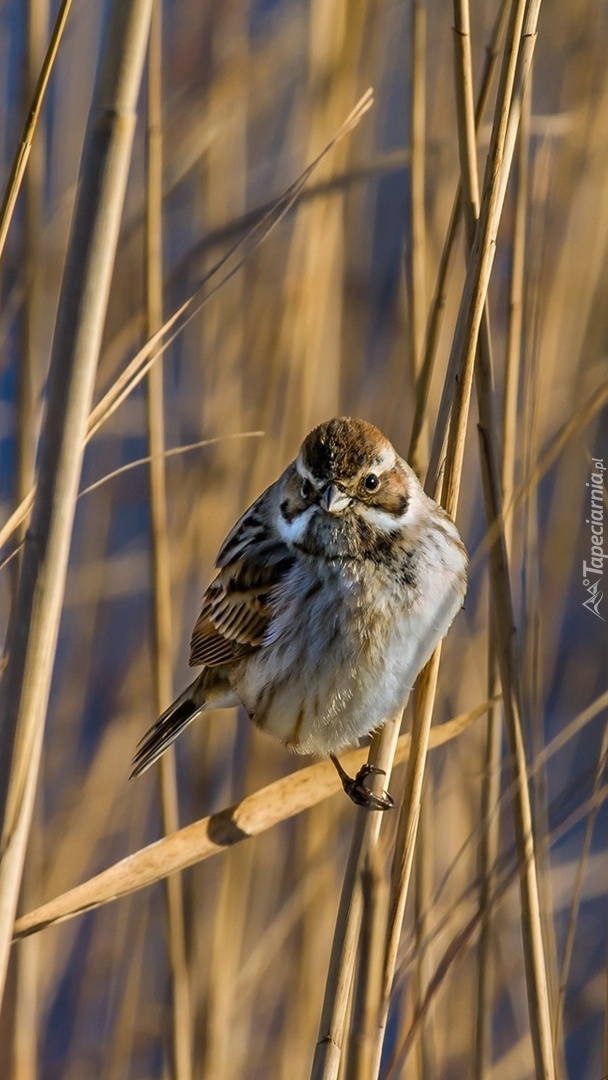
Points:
(332, 591)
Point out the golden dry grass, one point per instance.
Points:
(476, 940)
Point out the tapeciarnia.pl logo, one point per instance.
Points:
(593, 571)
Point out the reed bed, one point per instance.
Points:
(213, 235)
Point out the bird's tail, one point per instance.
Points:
(166, 729)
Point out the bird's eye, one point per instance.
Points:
(306, 490)
(371, 482)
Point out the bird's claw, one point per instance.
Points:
(361, 795)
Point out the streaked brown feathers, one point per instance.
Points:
(237, 606)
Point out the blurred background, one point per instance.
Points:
(326, 317)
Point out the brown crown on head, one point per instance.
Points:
(341, 446)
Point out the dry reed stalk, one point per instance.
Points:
(345, 946)
(25, 144)
(367, 993)
(222, 341)
(581, 256)
(311, 325)
(120, 1052)
(462, 940)
(516, 316)
(72, 847)
(462, 358)
(315, 875)
(415, 264)
(454, 950)
(438, 302)
(558, 1033)
(488, 855)
(130, 930)
(537, 964)
(307, 889)
(568, 732)
(255, 814)
(35, 622)
(230, 263)
(534, 951)
(426, 1051)
(221, 1052)
(520, 40)
(532, 647)
(416, 280)
(181, 1035)
(341, 971)
(490, 793)
(580, 419)
(402, 866)
(339, 182)
(504, 880)
(29, 374)
(25, 1046)
(272, 1025)
(405, 842)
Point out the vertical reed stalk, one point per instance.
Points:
(161, 582)
(438, 302)
(405, 843)
(426, 1055)
(368, 984)
(487, 861)
(328, 1052)
(27, 961)
(416, 274)
(35, 621)
(461, 361)
(416, 264)
(577, 891)
(534, 953)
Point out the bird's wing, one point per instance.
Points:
(237, 606)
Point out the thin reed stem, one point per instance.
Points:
(602, 763)
(160, 564)
(35, 621)
(439, 299)
(230, 263)
(25, 144)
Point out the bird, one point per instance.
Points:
(332, 591)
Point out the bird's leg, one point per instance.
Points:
(357, 790)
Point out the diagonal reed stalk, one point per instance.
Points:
(229, 264)
(35, 620)
(256, 814)
(25, 145)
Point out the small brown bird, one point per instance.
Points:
(332, 591)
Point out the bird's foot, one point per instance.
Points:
(357, 790)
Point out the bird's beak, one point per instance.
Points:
(334, 500)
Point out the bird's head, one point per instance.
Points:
(347, 490)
